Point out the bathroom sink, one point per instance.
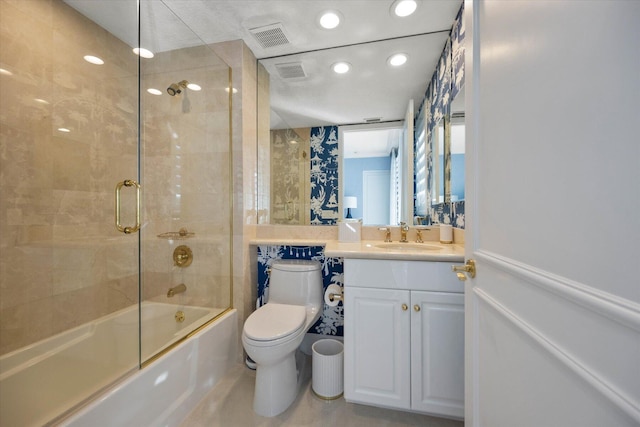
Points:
(409, 247)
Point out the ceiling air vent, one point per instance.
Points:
(373, 120)
(291, 70)
(270, 35)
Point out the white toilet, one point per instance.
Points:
(272, 334)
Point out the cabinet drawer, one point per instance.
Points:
(394, 274)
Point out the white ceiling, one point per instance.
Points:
(372, 89)
(376, 142)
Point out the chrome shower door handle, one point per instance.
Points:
(136, 227)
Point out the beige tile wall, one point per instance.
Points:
(186, 167)
(56, 189)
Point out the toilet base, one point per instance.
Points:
(276, 387)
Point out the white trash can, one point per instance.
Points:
(327, 377)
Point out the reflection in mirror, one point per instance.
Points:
(437, 142)
(314, 104)
(290, 186)
(457, 147)
(440, 192)
(303, 93)
(369, 171)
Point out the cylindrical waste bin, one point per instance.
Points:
(327, 369)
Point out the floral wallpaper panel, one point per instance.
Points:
(324, 175)
(332, 318)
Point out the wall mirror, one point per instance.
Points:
(306, 108)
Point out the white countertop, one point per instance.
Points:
(372, 249)
(375, 249)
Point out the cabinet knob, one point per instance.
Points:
(405, 307)
(416, 307)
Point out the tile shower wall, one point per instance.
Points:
(56, 188)
(62, 263)
(332, 318)
(186, 177)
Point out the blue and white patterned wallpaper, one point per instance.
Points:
(324, 175)
(446, 81)
(457, 53)
(332, 318)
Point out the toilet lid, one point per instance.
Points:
(273, 321)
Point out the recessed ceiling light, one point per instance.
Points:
(398, 59)
(145, 53)
(330, 20)
(154, 91)
(93, 59)
(341, 67)
(194, 87)
(404, 8)
(65, 130)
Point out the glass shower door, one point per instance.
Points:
(186, 179)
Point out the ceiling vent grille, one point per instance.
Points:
(270, 35)
(373, 120)
(291, 70)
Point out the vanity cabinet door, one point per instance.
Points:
(437, 353)
(377, 347)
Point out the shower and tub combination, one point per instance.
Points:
(98, 303)
(62, 372)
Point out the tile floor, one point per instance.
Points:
(229, 404)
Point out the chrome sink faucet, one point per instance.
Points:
(404, 228)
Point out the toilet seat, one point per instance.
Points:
(273, 322)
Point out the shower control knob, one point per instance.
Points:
(182, 256)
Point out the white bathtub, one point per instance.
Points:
(41, 382)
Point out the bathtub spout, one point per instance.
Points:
(176, 290)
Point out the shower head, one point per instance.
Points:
(176, 88)
(173, 89)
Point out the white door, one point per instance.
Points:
(375, 195)
(553, 213)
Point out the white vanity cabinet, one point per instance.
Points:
(404, 336)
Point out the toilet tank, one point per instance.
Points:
(297, 282)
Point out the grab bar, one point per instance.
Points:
(136, 227)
